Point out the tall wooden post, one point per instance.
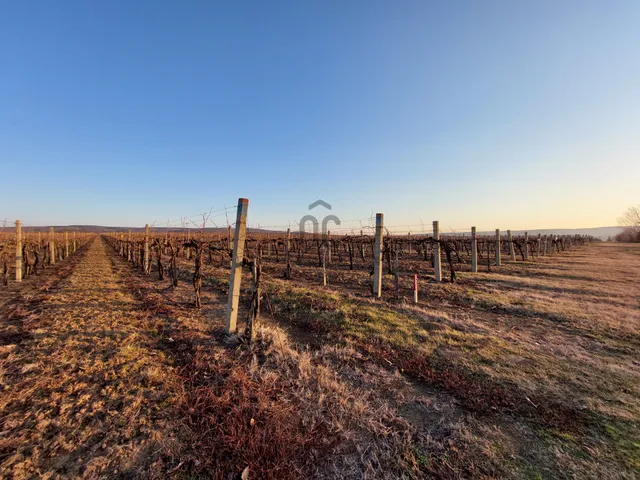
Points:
(235, 278)
(52, 247)
(512, 250)
(538, 245)
(230, 243)
(550, 244)
(287, 250)
(129, 248)
(324, 265)
(497, 247)
(436, 251)
(146, 250)
(18, 251)
(377, 256)
(396, 276)
(75, 246)
(66, 244)
(546, 244)
(474, 251)
(526, 246)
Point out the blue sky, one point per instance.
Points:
(498, 114)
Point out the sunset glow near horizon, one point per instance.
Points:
(498, 114)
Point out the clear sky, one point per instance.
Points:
(500, 114)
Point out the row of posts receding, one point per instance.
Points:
(236, 245)
(542, 246)
(68, 248)
(239, 242)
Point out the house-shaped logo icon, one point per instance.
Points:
(314, 221)
(319, 202)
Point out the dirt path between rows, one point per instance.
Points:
(86, 393)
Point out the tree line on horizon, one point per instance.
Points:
(630, 223)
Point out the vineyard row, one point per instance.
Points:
(300, 253)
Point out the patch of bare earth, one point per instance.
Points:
(19, 299)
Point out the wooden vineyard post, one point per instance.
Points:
(66, 244)
(18, 251)
(397, 276)
(229, 244)
(287, 250)
(474, 251)
(512, 251)
(548, 245)
(75, 247)
(52, 247)
(436, 251)
(497, 247)
(409, 236)
(324, 265)
(538, 245)
(377, 257)
(235, 278)
(146, 266)
(129, 248)
(256, 270)
(415, 289)
(526, 246)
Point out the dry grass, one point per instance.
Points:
(554, 343)
(290, 414)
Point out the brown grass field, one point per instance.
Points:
(529, 371)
